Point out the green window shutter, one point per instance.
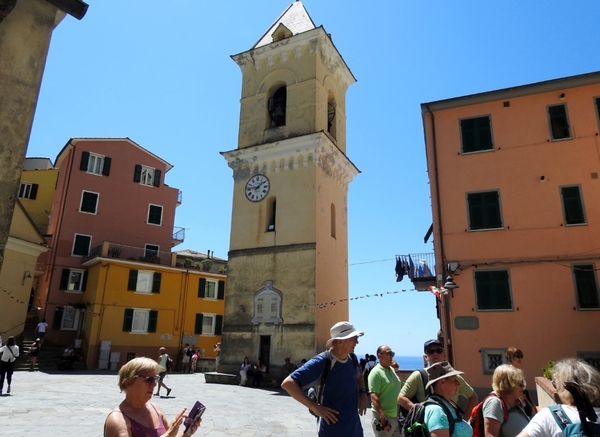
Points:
(137, 173)
(84, 281)
(201, 287)
(132, 283)
(58, 315)
(152, 321)
(33, 192)
(493, 290)
(484, 210)
(221, 291)
(106, 166)
(64, 279)
(156, 278)
(218, 325)
(198, 324)
(573, 206)
(156, 179)
(476, 134)
(83, 164)
(587, 289)
(128, 320)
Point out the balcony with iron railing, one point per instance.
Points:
(178, 236)
(419, 267)
(130, 253)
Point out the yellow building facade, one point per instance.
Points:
(288, 247)
(36, 192)
(131, 309)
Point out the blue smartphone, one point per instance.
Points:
(195, 413)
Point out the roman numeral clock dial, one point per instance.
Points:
(257, 188)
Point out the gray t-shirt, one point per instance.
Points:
(492, 409)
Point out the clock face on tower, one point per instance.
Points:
(257, 187)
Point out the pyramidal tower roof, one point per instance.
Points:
(294, 18)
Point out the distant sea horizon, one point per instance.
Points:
(405, 362)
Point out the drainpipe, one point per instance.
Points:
(445, 298)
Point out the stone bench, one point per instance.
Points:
(221, 378)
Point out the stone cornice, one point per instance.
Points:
(290, 154)
(25, 247)
(313, 41)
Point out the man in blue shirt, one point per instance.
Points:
(344, 394)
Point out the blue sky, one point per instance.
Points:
(160, 73)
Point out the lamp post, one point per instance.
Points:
(449, 285)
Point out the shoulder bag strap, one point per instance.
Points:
(559, 415)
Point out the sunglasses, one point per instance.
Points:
(434, 351)
(149, 380)
(391, 354)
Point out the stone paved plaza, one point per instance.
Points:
(76, 404)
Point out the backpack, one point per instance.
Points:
(414, 424)
(570, 429)
(316, 393)
(476, 420)
(189, 352)
(403, 412)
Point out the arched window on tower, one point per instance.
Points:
(271, 214)
(333, 220)
(331, 121)
(277, 107)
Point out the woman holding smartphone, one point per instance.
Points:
(136, 416)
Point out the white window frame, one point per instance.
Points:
(95, 164)
(213, 318)
(74, 290)
(25, 190)
(76, 316)
(268, 305)
(141, 316)
(97, 202)
(162, 209)
(145, 279)
(485, 355)
(75, 240)
(215, 289)
(147, 176)
(146, 249)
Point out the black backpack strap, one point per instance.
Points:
(438, 400)
(425, 379)
(559, 415)
(324, 374)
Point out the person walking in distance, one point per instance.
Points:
(8, 354)
(163, 363)
(187, 358)
(34, 351)
(384, 388)
(40, 330)
(414, 390)
(344, 396)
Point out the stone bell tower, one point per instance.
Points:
(289, 238)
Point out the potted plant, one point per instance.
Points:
(206, 264)
(115, 252)
(187, 263)
(223, 270)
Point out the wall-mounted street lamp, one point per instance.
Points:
(26, 275)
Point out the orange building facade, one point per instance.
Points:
(515, 188)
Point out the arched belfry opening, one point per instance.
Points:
(331, 120)
(277, 106)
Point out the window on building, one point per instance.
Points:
(572, 205)
(586, 286)
(81, 245)
(597, 101)
(267, 305)
(333, 220)
(592, 358)
(144, 281)
(95, 163)
(209, 289)
(559, 122)
(492, 358)
(208, 324)
(73, 280)
(146, 175)
(484, 210)
(277, 107)
(492, 288)
(28, 190)
(140, 321)
(89, 202)
(476, 134)
(155, 214)
(151, 251)
(271, 214)
(66, 318)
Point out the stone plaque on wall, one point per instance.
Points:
(466, 322)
